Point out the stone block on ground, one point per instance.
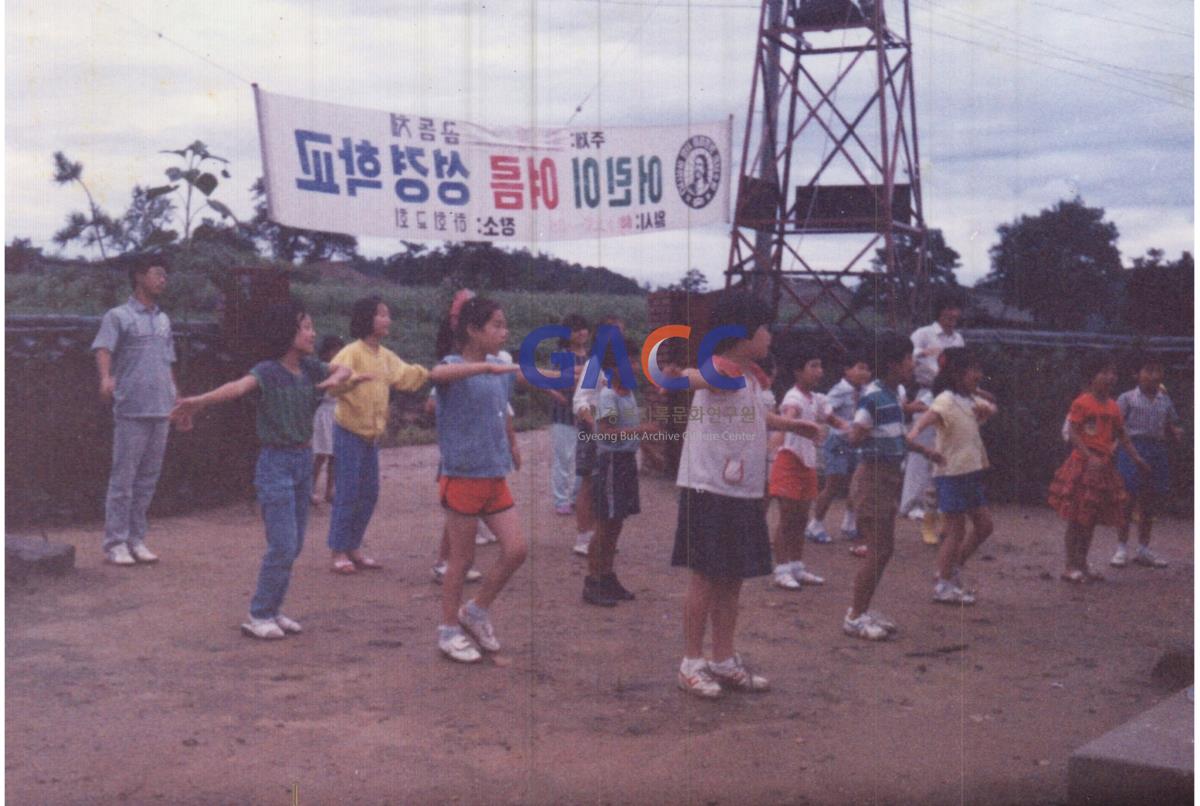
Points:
(32, 555)
(1149, 759)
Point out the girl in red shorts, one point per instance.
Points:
(1087, 490)
(793, 479)
(473, 392)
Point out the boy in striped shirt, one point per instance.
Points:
(878, 432)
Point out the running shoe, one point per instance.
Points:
(783, 578)
(455, 645)
(863, 627)
(803, 575)
(733, 674)
(476, 622)
(698, 681)
(1148, 558)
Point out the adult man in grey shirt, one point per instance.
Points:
(134, 353)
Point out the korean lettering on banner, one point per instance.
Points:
(411, 165)
(508, 184)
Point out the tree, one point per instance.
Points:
(940, 264)
(1062, 265)
(1158, 296)
(693, 281)
(291, 244)
(97, 228)
(145, 225)
(20, 255)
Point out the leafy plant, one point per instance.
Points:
(194, 176)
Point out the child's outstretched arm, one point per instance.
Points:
(449, 373)
(930, 417)
(341, 376)
(188, 407)
(781, 422)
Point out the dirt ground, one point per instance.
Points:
(134, 685)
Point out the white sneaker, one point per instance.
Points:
(581, 543)
(288, 625)
(783, 578)
(804, 576)
(142, 554)
(480, 628)
(1148, 558)
(916, 514)
(484, 536)
(733, 674)
(863, 627)
(457, 646)
(439, 572)
(948, 593)
(265, 628)
(698, 680)
(119, 555)
(883, 621)
(816, 533)
(1121, 558)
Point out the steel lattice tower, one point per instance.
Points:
(830, 192)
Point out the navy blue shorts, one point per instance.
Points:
(840, 457)
(957, 495)
(1155, 453)
(615, 493)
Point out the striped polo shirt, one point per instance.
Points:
(879, 410)
(1147, 416)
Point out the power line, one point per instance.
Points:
(974, 21)
(1058, 52)
(176, 43)
(1112, 19)
(1009, 51)
(624, 46)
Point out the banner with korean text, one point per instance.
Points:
(372, 173)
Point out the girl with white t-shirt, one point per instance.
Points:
(956, 413)
(793, 480)
(721, 534)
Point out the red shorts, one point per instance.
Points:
(477, 497)
(791, 478)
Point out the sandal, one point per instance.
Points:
(859, 550)
(1074, 577)
(363, 561)
(342, 565)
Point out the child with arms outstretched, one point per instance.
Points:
(721, 533)
(288, 389)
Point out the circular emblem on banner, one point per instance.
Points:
(698, 171)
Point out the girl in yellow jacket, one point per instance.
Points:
(360, 421)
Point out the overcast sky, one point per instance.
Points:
(1020, 102)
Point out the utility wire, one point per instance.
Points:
(1058, 52)
(174, 42)
(624, 46)
(1024, 56)
(1174, 32)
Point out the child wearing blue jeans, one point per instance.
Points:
(288, 388)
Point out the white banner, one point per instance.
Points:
(366, 172)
